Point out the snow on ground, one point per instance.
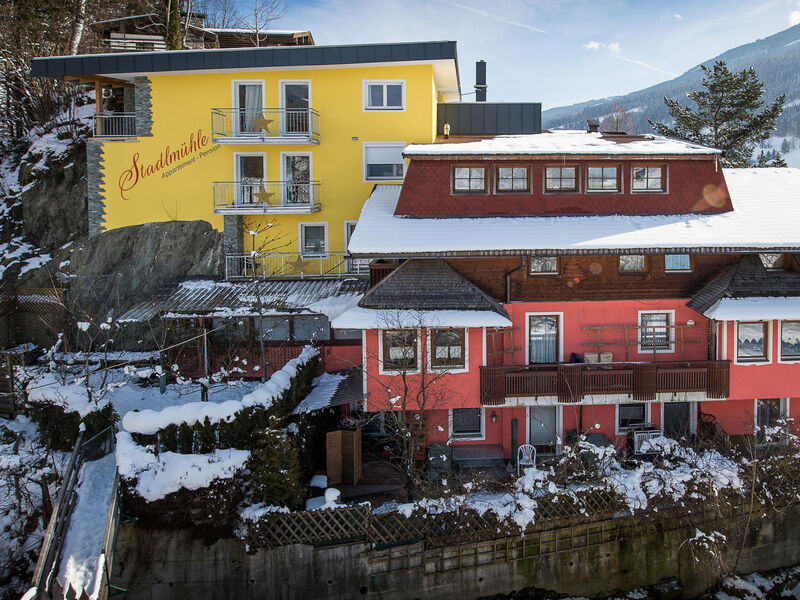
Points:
(682, 468)
(158, 476)
(149, 420)
(84, 541)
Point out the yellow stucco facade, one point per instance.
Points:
(170, 175)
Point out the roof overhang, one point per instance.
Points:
(127, 65)
(371, 318)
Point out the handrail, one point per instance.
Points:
(263, 196)
(53, 542)
(265, 125)
(121, 124)
(569, 382)
(57, 526)
(277, 265)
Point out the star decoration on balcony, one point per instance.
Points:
(261, 123)
(298, 266)
(263, 196)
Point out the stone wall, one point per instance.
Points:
(594, 559)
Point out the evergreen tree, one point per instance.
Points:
(174, 26)
(725, 117)
(770, 159)
(785, 148)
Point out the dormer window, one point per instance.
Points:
(512, 179)
(469, 179)
(604, 179)
(649, 179)
(772, 261)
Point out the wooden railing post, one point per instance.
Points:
(570, 383)
(645, 382)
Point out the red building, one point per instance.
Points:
(626, 285)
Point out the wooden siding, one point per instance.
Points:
(589, 278)
(693, 185)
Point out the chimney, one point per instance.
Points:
(593, 126)
(480, 81)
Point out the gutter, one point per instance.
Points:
(508, 278)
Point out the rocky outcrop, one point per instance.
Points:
(118, 269)
(53, 197)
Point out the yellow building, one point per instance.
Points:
(278, 147)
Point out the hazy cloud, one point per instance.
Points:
(494, 17)
(677, 17)
(646, 66)
(794, 17)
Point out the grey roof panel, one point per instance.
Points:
(240, 58)
(489, 118)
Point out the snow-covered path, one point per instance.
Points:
(84, 542)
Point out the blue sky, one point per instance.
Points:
(554, 51)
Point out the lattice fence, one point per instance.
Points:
(35, 315)
(353, 524)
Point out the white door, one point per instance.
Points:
(354, 265)
(249, 107)
(296, 98)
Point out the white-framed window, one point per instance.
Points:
(385, 95)
(753, 341)
(383, 161)
(631, 415)
(295, 102)
(545, 334)
(448, 349)
(313, 239)
(790, 341)
(354, 265)
(543, 265)
(677, 263)
(656, 331)
(399, 350)
(296, 178)
(467, 423)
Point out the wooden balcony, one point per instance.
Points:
(572, 382)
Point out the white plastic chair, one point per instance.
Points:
(526, 455)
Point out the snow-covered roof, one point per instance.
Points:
(251, 30)
(320, 396)
(371, 318)
(209, 298)
(562, 142)
(766, 205)
(754, 309)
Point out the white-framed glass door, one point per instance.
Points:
(249, 106)
(296, 102)
(296, 187)
(250, 177)
(354, 265)
(543, 339)
(543, 428)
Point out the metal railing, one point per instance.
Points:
(264, 197)
(45, 575)
(570, 382)
(284, 125)
(292, 265)
(114, 125)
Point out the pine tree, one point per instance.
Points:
(725, 117)
(174, 25)
(785, 148)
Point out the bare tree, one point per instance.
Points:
(619, 121)
(262, 13)
(221, 14)
(77, 27)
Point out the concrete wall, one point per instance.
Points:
(594, 559)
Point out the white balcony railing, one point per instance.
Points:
(265, 197)
(293, 265)
(114, 125)
(265, 126)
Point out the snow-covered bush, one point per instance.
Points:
(59, 426)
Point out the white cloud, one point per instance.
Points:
(677, 17)
(794, 17)
(596, 46)
(641, 63)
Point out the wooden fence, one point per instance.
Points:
(359, 524)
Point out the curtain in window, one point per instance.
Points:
(544, 339)
(250, 106)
